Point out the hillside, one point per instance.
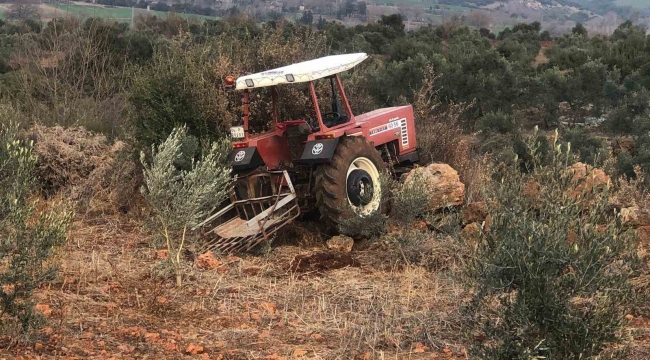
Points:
(521, 231)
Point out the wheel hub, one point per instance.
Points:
(360, 187)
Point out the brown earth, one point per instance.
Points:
(108, 303)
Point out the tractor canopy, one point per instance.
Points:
(301, 72)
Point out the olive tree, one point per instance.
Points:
(183, 190)
(550, 276)
(29, 236)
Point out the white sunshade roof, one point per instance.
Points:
(301, 72)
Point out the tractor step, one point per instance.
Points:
(245, 223)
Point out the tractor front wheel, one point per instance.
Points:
(350, 184)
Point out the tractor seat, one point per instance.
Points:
(332, 120)
(296, 133)
(295, 128)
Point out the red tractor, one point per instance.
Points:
(331, 163)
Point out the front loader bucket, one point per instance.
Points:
(268, 203)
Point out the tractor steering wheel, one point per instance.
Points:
(331, 117)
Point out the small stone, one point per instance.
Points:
(635, 216)
(194, 349)
(252, 271)
(161, 254)
(43, 309)
(475, 212)
(207, 261)
(340, 243)
(471, 233)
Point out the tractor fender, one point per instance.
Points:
(245, 158)
(319, 151)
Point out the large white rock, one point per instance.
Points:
(442, 185)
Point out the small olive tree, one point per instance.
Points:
(550, 277)
(183, 190)
(29, 236)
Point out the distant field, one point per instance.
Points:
(117, 13)
(93, 11)
(641, 4)
(421, 3)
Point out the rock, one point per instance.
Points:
(471, 233)
(587, 179)
(442, 184)
(207, 261)
(340, 243)
(252, 271)
(635, 217)
(194, 349)
(643, 236)
(161, 254)
(475, 212)
(43, 309)
(531, 189)
(564, 107)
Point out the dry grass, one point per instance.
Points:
(110, 299)
(83, 166)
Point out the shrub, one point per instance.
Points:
(29, 236)
(364, 226)
(438, 125)
(177, 89)
(592, 150)
(497, 122)
(85, 168)
(183, 191)
(551, 277)
(409, 201)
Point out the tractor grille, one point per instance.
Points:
(404, 133)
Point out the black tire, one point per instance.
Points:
(331, 180)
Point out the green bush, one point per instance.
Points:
(593, 151)
(409, 201)
(28, 238)
(497, 122)
(364, 226)
(550, 280)
(184, 191)
(178, 88)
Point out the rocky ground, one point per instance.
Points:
(110, 303)
(302, 297)
(370, 303)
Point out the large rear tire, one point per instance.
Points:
(350, 184)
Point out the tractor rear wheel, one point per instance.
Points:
(350, 184)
